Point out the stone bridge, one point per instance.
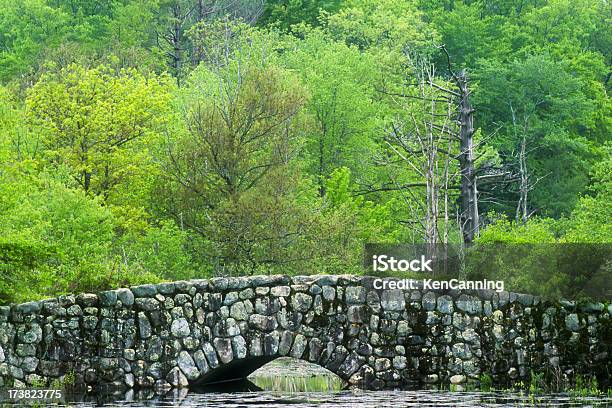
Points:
(188, 333)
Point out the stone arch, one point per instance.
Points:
(229, 359)
(175, 333)
(241, 324)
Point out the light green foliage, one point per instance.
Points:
(66, 233)
(470, 36)
(590, 220)
(23, 272)
(537, 230)
(388, 24)
(68, 31)
(565, 258)
(132, 23)
(133, 37)
(57, 239)
(555, 22)
(373, 222)
(387, 29)
(13, 137)
(159, 250)
(98, 122)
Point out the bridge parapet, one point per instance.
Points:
(200, 331)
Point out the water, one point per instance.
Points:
(361, 399)
(296, 384)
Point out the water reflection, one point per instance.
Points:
(289, 383)
(347, 398)
(244, 385)
(300, 384)
(292, 375)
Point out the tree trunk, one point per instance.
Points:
(521, 209)
(177, 49)
(86, 180)
(469, 190)
(322, 163)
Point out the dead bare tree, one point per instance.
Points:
(521, 207)
(435, 138)
(523, 178)
(423, 136)
(470, 220)
(469, 187)
(171, 35)
(446, 125)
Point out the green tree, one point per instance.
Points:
(27, 27)
(285, 13)
(470, 36)
(97, 122)
(388, 29)
(344, 106)
(373, 222)
(55, 239)
(590, 220)
(239, 132)
(524, 256)
(538, 100)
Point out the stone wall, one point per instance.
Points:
(182, 333)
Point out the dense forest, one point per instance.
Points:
(156, 140)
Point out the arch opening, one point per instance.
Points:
(235, 370)
(270, 373)
(288, 374)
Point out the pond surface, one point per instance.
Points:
(296, 384)
(361, 399)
